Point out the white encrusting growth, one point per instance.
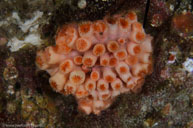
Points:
(30, 26)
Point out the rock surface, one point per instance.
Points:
(166, 99)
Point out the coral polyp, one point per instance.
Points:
(97, 61)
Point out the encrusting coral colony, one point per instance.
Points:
(97, 61)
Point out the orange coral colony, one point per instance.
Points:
(97, 61)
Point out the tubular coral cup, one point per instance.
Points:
(102, 85)
(133, 48)
(90, 85)
(131, 16)
(97, 61)
(41, 61)
(85, 105)
(99, 49)
(121, 40)
(112, 46)
(67, 34)
(124, 27)
(136, 26)
(86, 30)
(57, 81)
(104, 95)
(112, 24)
(117, 84)
(78, 60)
(121, 54)
(137, 33)
(66, 66)
(139, 36)
(83, 44)
(100, 31)
(89, 59)
(104, 59)
(108, 74)
(123, 71)
(113, 61)
(70, 88)
(81, 92)
(52, 57)
(77, 77)
(62, 48)
(131, 60)
(95, 75)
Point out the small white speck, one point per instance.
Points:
(184, 11)
(189, 7)
(172, 7)
(15, 15)
(82, 4)
(181, 34)
(144, 108)
(188, 65)
(49, 13)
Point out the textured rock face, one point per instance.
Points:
(165, 101)
(96, 61)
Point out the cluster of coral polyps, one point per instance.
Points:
(96, 61)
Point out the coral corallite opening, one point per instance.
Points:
(97, 61)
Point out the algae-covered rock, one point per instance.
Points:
(166, 100)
